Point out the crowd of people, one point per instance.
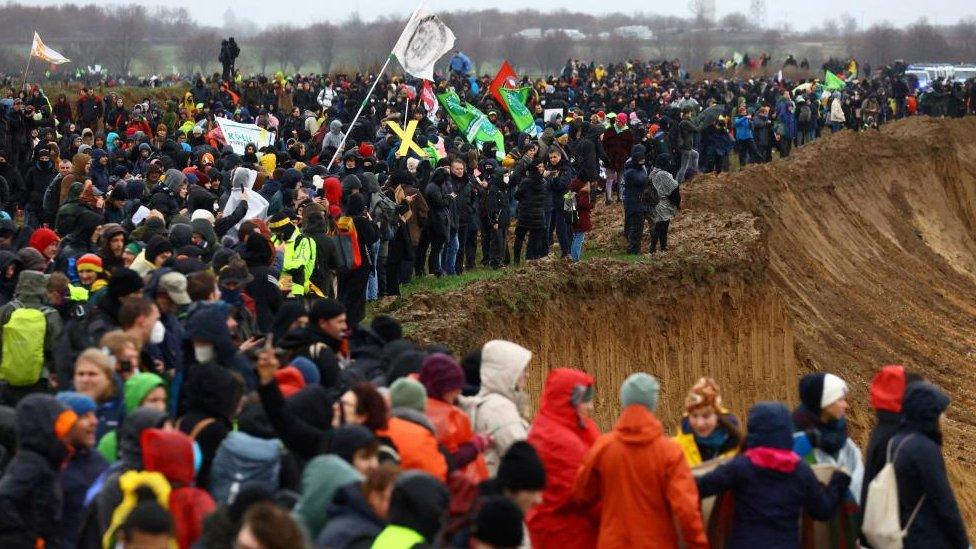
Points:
(207, 376)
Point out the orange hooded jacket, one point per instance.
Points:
(647, 492)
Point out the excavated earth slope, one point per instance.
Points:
(857, 251)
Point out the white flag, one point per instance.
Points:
(424, 40)
(39, 50)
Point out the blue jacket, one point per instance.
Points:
(770, 496)
(635, 178)
(351, 520)
(920, 469)
(743, 128)
(83, 468)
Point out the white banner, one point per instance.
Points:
(239, 135)
(424, 40)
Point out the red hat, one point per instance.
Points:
(290, 380)
(42, 238)
(89, 262)
(601, 114)
(888, 389)
(366, 150)
(622, 119)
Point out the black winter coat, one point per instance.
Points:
(30, 499)
(635, 180)
(558, 184)
(35, 183)
(439, 219)
(921, 471)
(533, 201)
(875, 458)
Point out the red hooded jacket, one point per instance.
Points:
(562, 438)
(171, 453)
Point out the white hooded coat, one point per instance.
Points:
(497, 408)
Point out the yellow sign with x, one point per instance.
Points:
(406, 138)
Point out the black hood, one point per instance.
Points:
(922, 406)
(36, 416)
(419, 502)
(213, 391)
(130, 434)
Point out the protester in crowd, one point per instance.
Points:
(417, 507)
(500, 407)
(707, 430)
(84, 465)
(29, 491)
(563, 432)
(639, 479)
(821, 427)
(887, 393)
(924, 492)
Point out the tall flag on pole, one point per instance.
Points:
(472, 122)
(423, 41)
(506, 78)
(40, 51)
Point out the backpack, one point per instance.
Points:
(384, 210)
(244, 460)
(569, 207)
(23, 346)
(347, 241)
(649, 197)
(803, 114)
(882, 524)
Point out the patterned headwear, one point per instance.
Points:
(704, 393)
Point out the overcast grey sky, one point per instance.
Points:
(800, 14)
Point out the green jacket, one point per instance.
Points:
(299, 262)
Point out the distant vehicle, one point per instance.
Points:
(927, 73)
(962, 73)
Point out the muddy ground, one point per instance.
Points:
(858, 251)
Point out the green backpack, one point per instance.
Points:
(23, 347)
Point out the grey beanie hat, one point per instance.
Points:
(408, 393)
(640, 388)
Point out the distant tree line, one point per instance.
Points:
(119, 37)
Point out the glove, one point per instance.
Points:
(481, 442)
(842, 479)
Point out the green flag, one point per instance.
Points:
(514, 102)
(475, 125)
(833, 82)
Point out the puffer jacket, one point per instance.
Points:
(499, 406)
(244, 459)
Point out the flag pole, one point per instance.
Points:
(30, 57)
(369, 93)
(359, 112)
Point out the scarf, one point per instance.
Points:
(829, 437)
